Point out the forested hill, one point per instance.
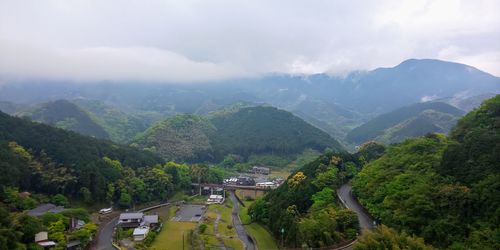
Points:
(245, 131)
(411, 121)
(444, 189)
(69, 160)
(66, 115)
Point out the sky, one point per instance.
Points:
(193, 41)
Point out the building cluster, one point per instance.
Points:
(42, 238)
(141, 223)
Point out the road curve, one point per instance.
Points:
(242, 233)
(347, 198)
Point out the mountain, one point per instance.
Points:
(411, 121)
(66, 115)
(444, 189)
(243, 131)
(335, 103)
(182, 137)
(121, 127)
(68, 160)
(12, 108)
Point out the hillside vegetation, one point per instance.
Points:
(442, 189)
(411, 121)
(66, 115)
(120, 126)
(245, 132)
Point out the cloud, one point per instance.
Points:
(108, 63)
(209, 40)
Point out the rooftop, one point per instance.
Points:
(129, 216)
(45, 208)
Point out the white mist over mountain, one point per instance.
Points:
(186, 41)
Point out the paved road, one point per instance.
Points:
(242, 233)
(345, 193)
(105, 235)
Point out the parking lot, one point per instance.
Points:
(189, 213)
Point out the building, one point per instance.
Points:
(130, 220)
(245, 181)
(42, 239)
(260, 170)
(267, 184)
(215, 199)
(151, 221)
(45, 208)
(140, 233)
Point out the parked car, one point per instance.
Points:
(106, 210)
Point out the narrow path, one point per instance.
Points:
(347, 198)
(242, 233)
(216, 230)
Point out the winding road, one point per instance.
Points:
(242, 233)
(347, 198)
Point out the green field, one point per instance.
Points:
(262, 237)
(171, 237)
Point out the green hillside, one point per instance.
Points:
(68, 160)
(120, 126)
(306, 206)
(244, 131)
(411, 121)
(66, 115)
(182, 137)
(442, 189)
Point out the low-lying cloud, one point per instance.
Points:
(191, 41)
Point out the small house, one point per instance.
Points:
(140, 233)
(215, 199)
(151, 221)
(245, 181)
(130, 220)
(42, 239)
(261, 170)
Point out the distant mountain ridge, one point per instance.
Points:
(411, 121)
(336, 104)
(66, 115)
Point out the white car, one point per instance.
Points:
(106, 210)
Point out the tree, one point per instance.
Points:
(384, 237)
(60, 200)
(125, 200)
(29, 226)
(323, 198)
(87, 196)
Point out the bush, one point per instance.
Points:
(60, 200)
(202, 228)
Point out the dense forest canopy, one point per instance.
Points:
(244, 131)
(406, 122)
(443, 189)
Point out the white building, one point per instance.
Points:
(215, 199)
(140, 233)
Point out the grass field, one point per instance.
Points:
(171, 237)
(264, 239)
